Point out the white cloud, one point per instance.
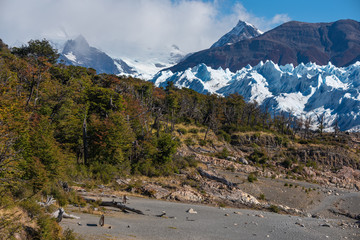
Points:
(262, 23)
(125, 27)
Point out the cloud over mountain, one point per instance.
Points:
(127, 27)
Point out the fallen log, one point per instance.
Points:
(206, 174)
(60, 214)
(116, 205)
(346, 214)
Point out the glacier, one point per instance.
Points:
(307, 90)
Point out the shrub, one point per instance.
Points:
(311, 164)
(287, 163)
(223, 154)
(224, 135)
(103, 172)
(274, 209)
(231, 168)
(262, 196)
(202, 142)
(252, 177)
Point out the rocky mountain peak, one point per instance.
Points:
(241, 31)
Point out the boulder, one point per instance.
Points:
(243, 161)
(186, 194)
(155, 191)
(231, 158)
(192, 211)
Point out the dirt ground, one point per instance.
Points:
(208, 223)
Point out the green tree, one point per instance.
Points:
(37, 49)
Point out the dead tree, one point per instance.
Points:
(116, 205)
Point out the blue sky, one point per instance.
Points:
(299, 10)
(138, 28)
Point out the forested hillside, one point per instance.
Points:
(67, 123)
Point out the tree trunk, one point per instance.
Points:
(85, 142)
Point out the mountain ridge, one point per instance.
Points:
(292, 42)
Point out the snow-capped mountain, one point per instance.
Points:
(292, 42)
(241, 31)
(78, 52)
(302, 90)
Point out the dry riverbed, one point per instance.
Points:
(208, 223)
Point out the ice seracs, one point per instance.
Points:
(304, 90)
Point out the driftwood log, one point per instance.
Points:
(205, 174)
(346, 214)
(116, 205)
(60, 214)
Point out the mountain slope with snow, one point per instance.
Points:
(78, 52)
(308, 89)
(241, 31)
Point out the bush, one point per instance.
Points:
(287, 163)
(311, 164)
(258, 156)
(224, 135)
(223, 154)
(184, 162)
(103, 172)
(274, 209)
(252, 177)
(202, 142)
(262, 196)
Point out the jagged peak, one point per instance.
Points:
(242, 30)
(81, 40)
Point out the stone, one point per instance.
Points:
(186, 194)
(243, 161)
(231, 158)
(155, 191)
(192, 211)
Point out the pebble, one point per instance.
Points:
(267, 236)
(226, 214)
